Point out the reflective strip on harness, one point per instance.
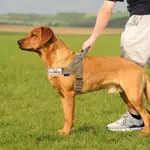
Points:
(54, 71)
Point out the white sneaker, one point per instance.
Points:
(126, 123)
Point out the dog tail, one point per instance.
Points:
(147, 87)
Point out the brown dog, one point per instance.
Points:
(113, 73)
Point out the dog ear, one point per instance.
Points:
(47, 34)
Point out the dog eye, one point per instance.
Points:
(33, 34)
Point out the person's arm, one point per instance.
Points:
(102, 20)
(103, 17)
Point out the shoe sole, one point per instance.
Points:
(124, 130)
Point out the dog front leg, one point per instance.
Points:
(68, 102)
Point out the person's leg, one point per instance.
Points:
(135, 45)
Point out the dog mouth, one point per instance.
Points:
(26, 49)
(20, 44)
(22, 48)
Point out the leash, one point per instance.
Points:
(75, 68)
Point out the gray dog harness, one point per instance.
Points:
(75, 68)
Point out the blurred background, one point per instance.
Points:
(57, 13)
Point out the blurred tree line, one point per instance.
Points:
(63, 19)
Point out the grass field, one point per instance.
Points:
(31, 111)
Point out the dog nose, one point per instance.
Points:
(19, 42)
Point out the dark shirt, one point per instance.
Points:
(137, 7)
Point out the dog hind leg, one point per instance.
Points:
(126, 101)
(136, 99)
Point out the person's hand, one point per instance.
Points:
(89, 43)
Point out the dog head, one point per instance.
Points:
(36, 39)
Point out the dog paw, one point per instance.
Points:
(143, 133)
(63, 132)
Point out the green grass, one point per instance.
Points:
(31, 111)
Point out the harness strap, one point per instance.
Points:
(75, 68)
(79, 78)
